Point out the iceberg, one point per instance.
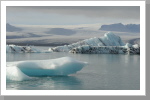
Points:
(23, 49)
(26, 70)
(109, 39)
(108, 44)
(107, 49)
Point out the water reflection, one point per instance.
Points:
(47, 83)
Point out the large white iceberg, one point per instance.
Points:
(109, 39)
(108, 44)
(25, 70)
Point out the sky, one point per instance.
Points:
(72, 15)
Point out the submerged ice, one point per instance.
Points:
(25, 70)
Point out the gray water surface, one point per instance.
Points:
(103, 72)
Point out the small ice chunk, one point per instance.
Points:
(135, 46)
(128, 45)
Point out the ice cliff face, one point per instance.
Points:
(109, 39)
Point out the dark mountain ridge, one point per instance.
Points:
(121, 28)
(11, 28)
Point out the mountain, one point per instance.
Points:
(134, 41)
(51, 35)
(10, 28)
(121, 28)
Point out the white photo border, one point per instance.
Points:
(141, 92)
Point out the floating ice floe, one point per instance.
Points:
(26, 70)
(109, 43)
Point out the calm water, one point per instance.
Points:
(103, 72)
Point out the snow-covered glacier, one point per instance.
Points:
(109, 43)
(26, 70)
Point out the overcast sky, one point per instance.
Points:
(73, 15)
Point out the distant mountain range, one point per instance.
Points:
(64, 35)
(10, 28)
(121, 28)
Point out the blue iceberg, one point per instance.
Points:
(25, 70)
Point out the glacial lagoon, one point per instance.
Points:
(103, 72)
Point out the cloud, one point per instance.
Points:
(74, 14)
(88, 11)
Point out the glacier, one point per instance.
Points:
(26, 70)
